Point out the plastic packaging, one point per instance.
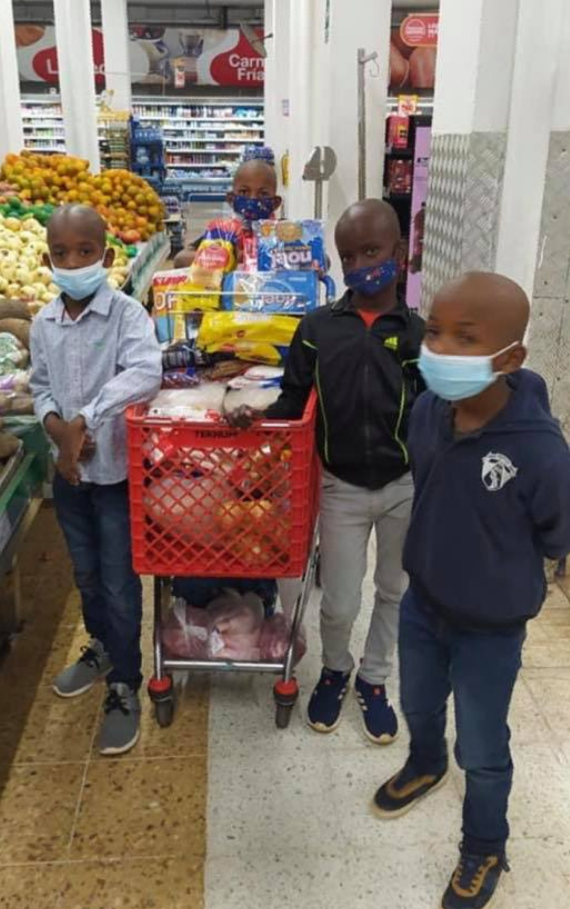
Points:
(235, 627)
(249, 336)
(201, 403)
(258, 388)
(289, 292)
(295, 245)
(187, 507)
(13, 355)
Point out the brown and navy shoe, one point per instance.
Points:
(474, 881)
(399, 795)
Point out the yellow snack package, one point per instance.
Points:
(257, 337)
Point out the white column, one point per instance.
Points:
(300, 106)
(534, 90)
(77, 78)
(115, 22)
(277, 21)
(365, 24)
(11, 132)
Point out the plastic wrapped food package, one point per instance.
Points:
(232, 627)
(201, 403)
(188, 506)
(295, 245)
(258, 388)
(256, 337)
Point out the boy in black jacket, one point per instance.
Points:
(492, 476)
(361, 354)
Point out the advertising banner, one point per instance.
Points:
(158, 56)
(419, 197)
(413, 53)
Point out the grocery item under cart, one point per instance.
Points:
(211, 501)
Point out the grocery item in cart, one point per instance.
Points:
(187, 507)
(203, 402)
(235, 627)
(258, 388)
(248, 336)
(293, 293)
(290, 245)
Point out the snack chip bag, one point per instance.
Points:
(295, 245)
(255, 337)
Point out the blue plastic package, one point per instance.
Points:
(290, 245)
(293, 293)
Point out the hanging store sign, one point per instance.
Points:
(420, 30)
(168, 57)
(413, 52)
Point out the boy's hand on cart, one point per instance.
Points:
(243, 417)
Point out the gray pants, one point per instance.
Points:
(348, 515)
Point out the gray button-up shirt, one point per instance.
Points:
(97, 366)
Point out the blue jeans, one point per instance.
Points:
(481, 668)
(96, 524)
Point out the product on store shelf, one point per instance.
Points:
(256, 337)
(398, 131)
(290, 292)
(400, 176)
(9, 445)
(13, 354)
(295, 245)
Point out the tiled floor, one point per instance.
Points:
(222, 810)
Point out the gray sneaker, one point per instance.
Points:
(121, 725)
(93, 664)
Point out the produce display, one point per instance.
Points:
(132, 209)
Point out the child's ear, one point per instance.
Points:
(400, 253)
(46, 261)
(109, 257)
(277, 202)
(230, 198)
(515, 359)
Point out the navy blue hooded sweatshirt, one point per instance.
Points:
(488, 508)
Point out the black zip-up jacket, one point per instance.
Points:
(367, 381)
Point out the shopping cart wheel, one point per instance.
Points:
(161, 693)
(164, 712)
(285, 694)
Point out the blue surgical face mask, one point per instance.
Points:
(254, 209)
(79, 283)
(371, 279)
(458, 378)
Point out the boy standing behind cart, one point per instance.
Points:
(361, 354)
(94, 353)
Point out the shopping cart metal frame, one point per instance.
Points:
(161, 687)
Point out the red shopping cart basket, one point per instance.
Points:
(211, 501)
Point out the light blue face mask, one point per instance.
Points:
(79, 283)
(458, 378)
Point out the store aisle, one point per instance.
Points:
(223, 811)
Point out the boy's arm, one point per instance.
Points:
(550, 505)
(299, 377)
(140, 362)
(44, 402)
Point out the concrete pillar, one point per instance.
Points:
(77, 78)
(277, 21)
(476, 49)
(549, 345)
(11, 133)
(366, 25)
(115, 22)
(301, 99)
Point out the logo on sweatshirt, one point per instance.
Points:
(497, 471)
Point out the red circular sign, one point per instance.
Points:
(420, 30)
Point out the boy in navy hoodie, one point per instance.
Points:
(492, 501)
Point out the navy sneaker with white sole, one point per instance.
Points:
(326, 702)
(380, 721)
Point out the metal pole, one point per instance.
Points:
(361, 62)
(318, 199)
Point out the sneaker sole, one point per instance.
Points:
(326, 730)
(108, 752)
(387, 815)
(79, 691)
(488, 904)
(385, 738)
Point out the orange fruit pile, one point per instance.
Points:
(132, 209)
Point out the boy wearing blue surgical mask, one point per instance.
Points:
(361, 354)
(94, 353)
(492, 476)
(253, 198)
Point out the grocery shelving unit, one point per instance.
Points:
(203, 139)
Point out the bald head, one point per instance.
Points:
(254, 178)
(493, 303)
(371, 217)
(80, 219)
